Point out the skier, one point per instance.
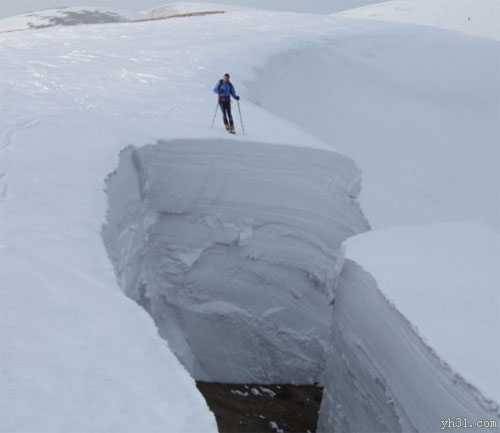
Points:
(225, 89)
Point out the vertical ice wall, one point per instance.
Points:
(233, 248)
(381, 376)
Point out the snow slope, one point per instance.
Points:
(174, 9)
(77, 15)
(66, 16)
(474, 17)
(78, 356)
(444, 279)
(416, 107)
(15, 7)
(76, 96)
(73, 347)
(234, 250)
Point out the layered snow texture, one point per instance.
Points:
(381, 376)
(233, 248)
(444, 278)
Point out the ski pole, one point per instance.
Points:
(241, 118)
(215, 114)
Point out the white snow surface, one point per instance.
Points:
(474, 17)
(381, 376)
(416, 107)
(187, 8)
(60, 16)
(445, 280)
(77, 15)
(76, 353)
(15, 7)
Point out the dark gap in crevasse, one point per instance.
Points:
(256, 408)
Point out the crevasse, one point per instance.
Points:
(235, 249)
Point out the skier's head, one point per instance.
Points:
(226, 77)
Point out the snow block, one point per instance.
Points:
(234, 250)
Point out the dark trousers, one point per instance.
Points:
(225, 106)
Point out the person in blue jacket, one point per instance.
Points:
(225, 89)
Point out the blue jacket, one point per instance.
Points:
(225, 90)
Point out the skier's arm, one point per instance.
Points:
(233, 93)
(217, 87)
